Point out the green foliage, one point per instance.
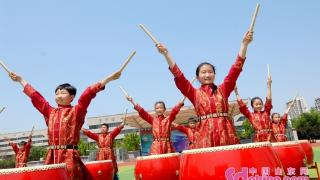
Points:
(131, 142)
(36, 153)
(308, 125)
(247, 130)
(85, 147)
(7, 163)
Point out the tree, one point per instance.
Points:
(85, 147)
(36, 152)
(308, 125)
(247, 130)
(131, 142)
(7, 163)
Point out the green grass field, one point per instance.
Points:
(126, 172)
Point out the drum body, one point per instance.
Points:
(54, 171)
(229, 162)
(99, 170)
(291, 155)
(157, 167)
(307, 148)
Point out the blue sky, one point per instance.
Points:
(80, 42)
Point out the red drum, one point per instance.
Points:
(230, 162)
(291, 155)
(54, 171)
(97, 170)
(158, 167)
(307, 148)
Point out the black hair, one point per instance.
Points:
(202, 64)
(255, 98)
(273, 114)
(22, 143)
(192, 119)
(105, 124)
(160, 102)
(71, 89)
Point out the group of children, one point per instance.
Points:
(212, 127)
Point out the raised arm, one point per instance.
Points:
(268, 104)
(242, 106)
(14, 147)
(37, 99)
(117, 130)
(92, 91)
(143, 114)
(181, 128)
(183, 84)
(269, 82)
(163, 50)
(175, 110)
(130, 99)
(90, 134)
(284, 119)
(247, 39)
(230, 80)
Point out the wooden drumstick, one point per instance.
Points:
(127, 61)
(268, 68)
(253, 21)
(192, 81)
(4, 67)
(124, 92)
(2, 110)
(125, 117)
(31, 131)
(149, 34)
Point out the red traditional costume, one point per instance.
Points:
(279, 129)
(21, 154)
(105, 144)
(192, 134)
(64, 125)
(161, 130)
(211, 106)
(260, 121)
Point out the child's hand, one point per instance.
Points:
(236, 89)
(129, 98)
(162, 49)
(269, 81)
(15, 77)
(174, 124)
(116, 75)
(248, 37)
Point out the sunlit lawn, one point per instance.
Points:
(126, 172)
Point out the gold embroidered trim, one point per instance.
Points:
(303, 141)
(285, 143)
(98, 162)
(228, 148)
(158, 156)
(32, 169)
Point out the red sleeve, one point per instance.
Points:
(143, 114)
(230, 80)
(38, 101)
(28, 145)
(174, 112)
(91, 135)
(244, 110)
(182, 129)
(183, 84)
(284, 119)
(268, 106)
(115, 132)
(14, 147)
(87, 96)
